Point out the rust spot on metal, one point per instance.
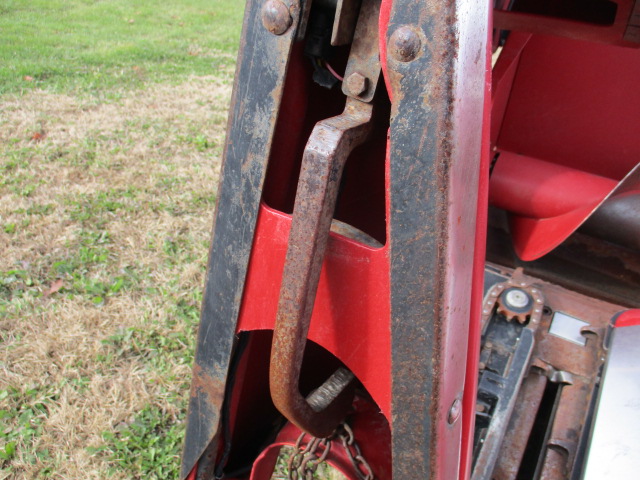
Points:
(555, 464)
(203, 384)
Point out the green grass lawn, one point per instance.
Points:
(112, 118)
(96, 46)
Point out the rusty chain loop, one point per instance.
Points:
(306, 457)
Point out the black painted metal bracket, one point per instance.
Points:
(258, 88)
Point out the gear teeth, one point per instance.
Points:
(511, 315)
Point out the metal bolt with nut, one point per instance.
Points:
(356, 84)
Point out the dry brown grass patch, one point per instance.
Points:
(115, 200)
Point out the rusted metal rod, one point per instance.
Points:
(327, 150)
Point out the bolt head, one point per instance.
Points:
(276, 17)
(356, 84)
(404, 44)
(455, 411)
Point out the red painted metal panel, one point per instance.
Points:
(630, 318)
(548, 202)
(502, 77)
(351, 312)
(540, 189)
(569, 133)
(576, 104)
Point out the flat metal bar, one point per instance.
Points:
(345, 21)
(436, 70)
(520, 426)
(508, 388)
(364, 56)
(257, 93)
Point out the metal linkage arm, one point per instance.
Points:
(330, 144)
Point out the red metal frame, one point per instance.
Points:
(615, 33)
(573, 103)
(350, 322)
(477, 288)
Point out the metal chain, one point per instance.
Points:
(360, 465)
(306, 457)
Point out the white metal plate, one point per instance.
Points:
(568, 328)
(614, 451)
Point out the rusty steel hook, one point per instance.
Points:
(325, 154)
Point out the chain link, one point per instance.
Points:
(307, 456)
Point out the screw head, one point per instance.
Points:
(276, 17)
(404, 44)
(356, 84)
(454, 411)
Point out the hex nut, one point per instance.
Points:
(356, 84)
